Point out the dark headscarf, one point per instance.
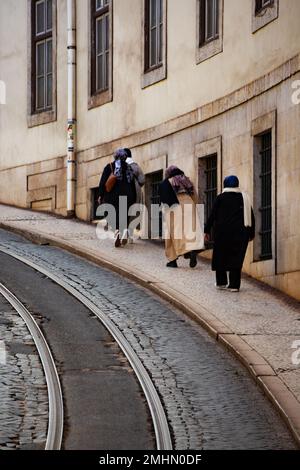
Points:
(128, 152)
(231, 182)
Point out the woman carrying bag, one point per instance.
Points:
(117, 187)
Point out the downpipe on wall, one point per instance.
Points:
(71, 138)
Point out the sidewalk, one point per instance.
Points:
(259, 324)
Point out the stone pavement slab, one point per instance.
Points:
(258, 324)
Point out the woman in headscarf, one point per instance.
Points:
(233, 224)
(183, 234)
(122, 182)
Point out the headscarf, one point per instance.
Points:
(180, 182)
(231, 182)
(121, 166)
(231, 185)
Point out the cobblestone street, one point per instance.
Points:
(210, 400)
(23, 391)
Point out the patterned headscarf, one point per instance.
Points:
(180, 182)
(121, 166)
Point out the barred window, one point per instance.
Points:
(209, 21)
(153, 34)
(265, 209)
(42, 56)
(208, 183)
(100, 50)
(211, 186)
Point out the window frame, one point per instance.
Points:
(260, 126)
(157, 72)
(208, 47)
(46, 114)
(98, 96)
(265, 14)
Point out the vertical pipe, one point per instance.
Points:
(71, 160)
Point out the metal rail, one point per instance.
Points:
(160, 424)
(56, 411)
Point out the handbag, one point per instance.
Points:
(111, 181)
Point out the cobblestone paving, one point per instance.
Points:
(211, 402)
(23, 390)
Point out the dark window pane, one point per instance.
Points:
(99, 35)
(49, 56)
(153, 47)
(153, 18)
(40, 93)
(106, 32)
(160, 11)
(100, 72)
(160, 43)
(49, 15)
(209, 18)
(49, 90)
(40, 58)
(40, 17)
(101, 3)
(106, 69)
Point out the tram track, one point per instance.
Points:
(55, 430)
(56, 410)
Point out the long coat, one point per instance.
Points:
(231, 237)
(183, 229)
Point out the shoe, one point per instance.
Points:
(117, 239)
(233, 289)
(221, 287)
(172, 264)
(193, 259)
(187, 255)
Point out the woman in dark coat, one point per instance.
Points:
(233, 224)
(124, 186)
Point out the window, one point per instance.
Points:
(41, 83)
(209, 21)
(100, 52)
(208, 183)
(209, 28)
(154, 42)
(153, 34)
(261, 4)
(152, 197)
(263, 13)
(264, 167)
(42, 56)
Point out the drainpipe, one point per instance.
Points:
(71, 161)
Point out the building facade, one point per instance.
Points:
(209, 85)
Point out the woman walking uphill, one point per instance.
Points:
(233, 224)
(117, 187)
(183, 235)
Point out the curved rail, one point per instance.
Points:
(56, 411)
(161, 427)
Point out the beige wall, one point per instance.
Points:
(187, 87)
(216, 99)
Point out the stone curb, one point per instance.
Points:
(264, 375)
